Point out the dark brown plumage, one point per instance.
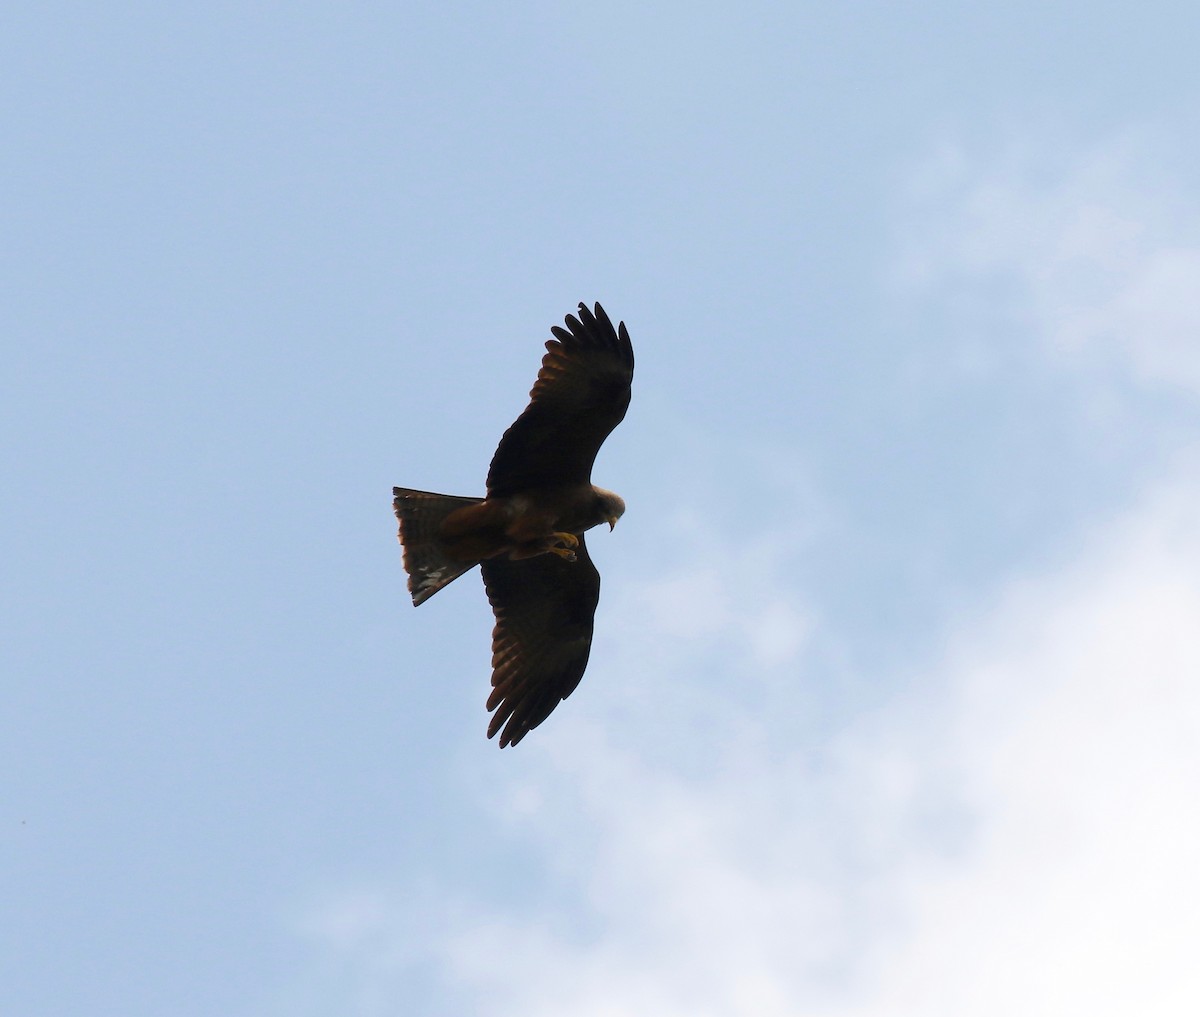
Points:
(528, 531)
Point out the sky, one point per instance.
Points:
(893, 704)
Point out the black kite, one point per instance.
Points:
(527, 533)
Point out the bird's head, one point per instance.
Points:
(609, 506)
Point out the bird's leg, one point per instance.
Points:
(533, 550)
(570, 542)
(553, 543)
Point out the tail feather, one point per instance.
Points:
(428, 566)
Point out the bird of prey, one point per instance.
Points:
(527, 533)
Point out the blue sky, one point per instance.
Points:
(892, 707)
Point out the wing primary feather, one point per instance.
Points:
(625, 345)
(599, 318)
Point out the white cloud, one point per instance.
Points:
(1014, 833)
(1076, 739)
(1019, 836)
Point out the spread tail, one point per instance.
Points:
(428, 566)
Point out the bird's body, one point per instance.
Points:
(528, 531)
(526, 525)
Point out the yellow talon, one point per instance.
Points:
(567, 538)
(565, 553)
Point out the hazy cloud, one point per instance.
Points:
(1014, 832)
(1098, 254)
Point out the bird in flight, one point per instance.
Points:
(527, 532)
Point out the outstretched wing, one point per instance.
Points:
(581, 394)
(544, 609)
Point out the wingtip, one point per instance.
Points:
(507, 735)
(593, 326)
